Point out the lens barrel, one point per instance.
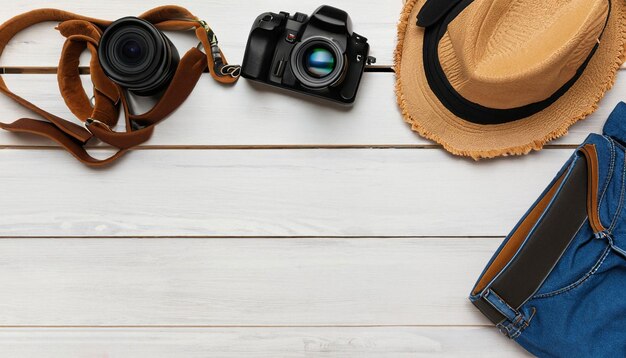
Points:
(138, 56)
(317, 62)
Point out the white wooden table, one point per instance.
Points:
(254, 223)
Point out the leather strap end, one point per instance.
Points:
(215, 65)
(48, 130)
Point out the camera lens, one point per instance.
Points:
(137, 56)
(132, 51)
(317, 62)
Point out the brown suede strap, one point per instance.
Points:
(83, 33)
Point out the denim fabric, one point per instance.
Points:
(580, 309)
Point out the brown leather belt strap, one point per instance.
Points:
(83, 33)
(517, 276)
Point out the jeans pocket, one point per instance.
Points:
(578, 264)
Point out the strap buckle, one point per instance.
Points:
(233, 71)
(89, 121)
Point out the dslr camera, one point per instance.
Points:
(317, 55)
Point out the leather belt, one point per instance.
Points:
(99, 120)
(536, 245)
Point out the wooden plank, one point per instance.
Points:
(241, 282)
(399, 192)
(253, 115)
(231, 20)
(244, 115)
(378, 342)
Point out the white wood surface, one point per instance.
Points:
(340, 192)
(392, 342)
(242, 282)
(254, 223)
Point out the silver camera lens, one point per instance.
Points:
(317, 62)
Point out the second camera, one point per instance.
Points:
(318, 55)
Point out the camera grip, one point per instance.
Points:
(358, 50)
(261, 45)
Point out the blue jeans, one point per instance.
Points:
(567, 299)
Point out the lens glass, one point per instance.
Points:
(132, 49)
(319, 61)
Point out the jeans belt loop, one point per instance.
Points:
(515, 321)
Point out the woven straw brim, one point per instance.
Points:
(424, 112)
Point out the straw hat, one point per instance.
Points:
(488, 78)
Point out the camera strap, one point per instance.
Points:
(100, 117)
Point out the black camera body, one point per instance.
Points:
(317, 55)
